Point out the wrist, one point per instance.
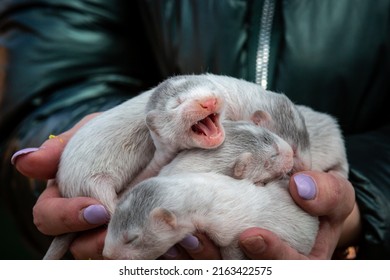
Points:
(348, 241)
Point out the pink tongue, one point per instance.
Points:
(207, 126)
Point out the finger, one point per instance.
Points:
(54, 215)
(331, 235)
(321, 194)
(42, 162)
(89, 245)
(326, 240)
(261, 244)
(198, 247)
(176, 253)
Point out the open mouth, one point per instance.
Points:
(209, 126)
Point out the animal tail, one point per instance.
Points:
(59, 246)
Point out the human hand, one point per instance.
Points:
(54, 215)
(326, 195)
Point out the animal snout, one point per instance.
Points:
(285, 160)
(209, 104)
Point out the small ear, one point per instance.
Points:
(165, 216)
(262, 118)
(151, 118)
(240, 168)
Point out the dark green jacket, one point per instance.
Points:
(62, 59)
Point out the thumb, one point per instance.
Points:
(262, 244)
(42, 163)
(323, 194)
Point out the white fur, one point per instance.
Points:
(110, 151)
(107, 153)
(102, 158)
(249, 151)
(243, 98)
(161, 211)
(327, 146)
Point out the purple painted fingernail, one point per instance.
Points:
(171, 253)
(190, 242)
(96, 214)
(22, 152)
(306, 186)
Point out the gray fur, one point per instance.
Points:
(249, 151)
(106, 154)
(174, 108)
(117, 149)
(243, 98)
(161, 211)
(314, 136)
(89, 165)
(327, 143)
(116, 138)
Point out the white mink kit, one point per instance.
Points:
(249, 152)
(161, 211)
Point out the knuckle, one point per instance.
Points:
(39, 221)
(89, 245)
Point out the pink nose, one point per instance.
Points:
(209, 104)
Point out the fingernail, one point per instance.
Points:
(190, 242)
(254, 244)
(171, 253)
(96, 214)
(306, 186)
(22, 152)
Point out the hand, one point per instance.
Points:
(326, 195)
(54, 215)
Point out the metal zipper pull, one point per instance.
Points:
(263, 49)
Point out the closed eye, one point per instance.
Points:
(127, 239)
(176, 103)
(274, 156)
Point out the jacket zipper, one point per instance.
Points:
(263, 49)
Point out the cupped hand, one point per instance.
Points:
(53, 214)
(326, 195)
